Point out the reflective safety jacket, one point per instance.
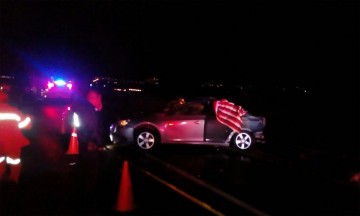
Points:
(12, 120)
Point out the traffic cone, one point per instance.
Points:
(125, 201)
(74, 143)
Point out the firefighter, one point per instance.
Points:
(12, 121)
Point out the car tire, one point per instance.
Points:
(242, 140)
(146, 139)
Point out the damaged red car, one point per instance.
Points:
(205, 121)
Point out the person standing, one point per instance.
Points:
(12, 140)
(90, 132)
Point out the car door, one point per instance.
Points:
(215, 131)
(185, 126)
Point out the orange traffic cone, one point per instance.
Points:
(74, 143)
(125, 202)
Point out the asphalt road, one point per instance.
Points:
(51, 184)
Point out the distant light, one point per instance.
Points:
(136, 90)
(69, 85)
(50, 85)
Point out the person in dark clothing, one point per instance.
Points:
(90, 133)
(91, 127)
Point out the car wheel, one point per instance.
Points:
(242, 140)
(146, 139)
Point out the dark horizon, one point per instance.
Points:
(259, 42)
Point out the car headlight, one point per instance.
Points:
(124, 122)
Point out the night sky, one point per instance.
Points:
(314, 44)
(308, 42)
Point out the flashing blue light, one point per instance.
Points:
(60, 82)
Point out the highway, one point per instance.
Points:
(279, 177)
